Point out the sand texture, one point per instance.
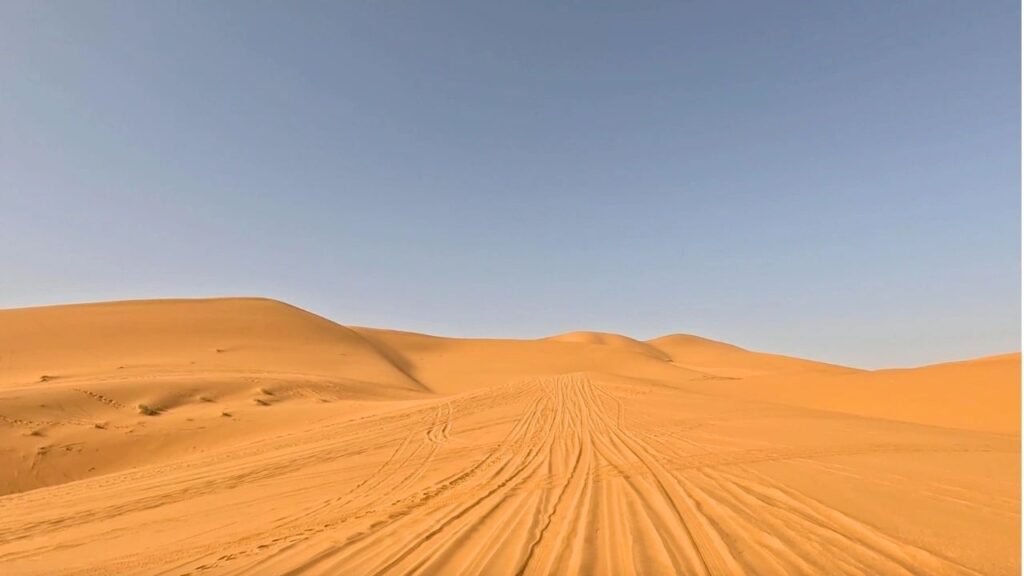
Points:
(247, 436)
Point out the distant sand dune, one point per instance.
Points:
(246, 436)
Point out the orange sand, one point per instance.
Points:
(246, 436)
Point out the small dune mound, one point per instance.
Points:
(692, 342)
(610, 339)
(727, 360)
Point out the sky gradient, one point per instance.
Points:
(839, 181)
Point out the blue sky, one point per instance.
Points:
(831, 180)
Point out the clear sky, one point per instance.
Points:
(835, 180)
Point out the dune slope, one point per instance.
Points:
(980, 394)
(366, 451)
(82, 386)
(251, 335)
(728, 361)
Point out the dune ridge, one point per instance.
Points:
(248, 436)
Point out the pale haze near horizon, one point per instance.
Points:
(838, 182)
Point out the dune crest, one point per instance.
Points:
(609, 339)
(253, 335)
(247, 436)
(727, 360)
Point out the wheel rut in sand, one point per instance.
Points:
(552, 475)
(572, 489)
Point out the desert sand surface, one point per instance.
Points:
(247, 436)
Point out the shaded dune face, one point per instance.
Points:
(246, 436)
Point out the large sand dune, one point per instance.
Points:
(246, 436)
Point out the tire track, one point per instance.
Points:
(572, 478)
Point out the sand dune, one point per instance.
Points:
(246, 436)
(730, 361)
(980, 394)
(250, 335)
